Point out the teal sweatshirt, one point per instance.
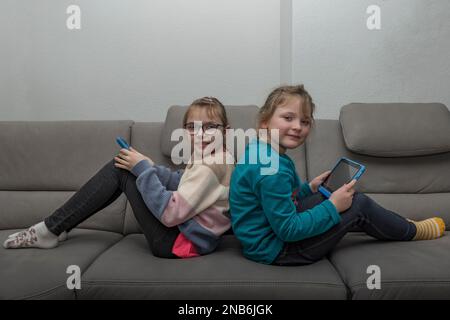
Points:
(263, 210)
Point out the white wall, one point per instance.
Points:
(341, 61)
(133, 59)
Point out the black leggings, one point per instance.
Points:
(364, 215)
(98, 193)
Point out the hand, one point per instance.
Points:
(127, 159)
(316, 182)
(145, 157)
(342, 198)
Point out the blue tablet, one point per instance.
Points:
(122, 142)
(343, 172)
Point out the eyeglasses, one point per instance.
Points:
(209, 128)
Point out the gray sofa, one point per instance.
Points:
(406, 148)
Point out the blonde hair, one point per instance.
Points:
(214, 109)
(279, 96)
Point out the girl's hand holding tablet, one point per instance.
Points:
(128, 158)
(342, 198)
(316, 182)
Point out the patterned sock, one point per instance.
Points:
(37, 236)
(429, 229)
(62, 237)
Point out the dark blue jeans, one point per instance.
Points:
(102, 190)
(364, 215)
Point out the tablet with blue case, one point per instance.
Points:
(343, 172)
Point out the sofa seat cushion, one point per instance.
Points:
(40, 273)
(128, 270)
(409, 270)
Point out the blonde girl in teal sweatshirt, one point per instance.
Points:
(280, 220)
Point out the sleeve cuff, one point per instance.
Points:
(305, 189)
(140, 167)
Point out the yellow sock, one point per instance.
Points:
(429, 229)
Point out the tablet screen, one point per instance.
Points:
(342, 173)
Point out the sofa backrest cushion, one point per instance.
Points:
(44, 162)
(396, 129)
(415, 187)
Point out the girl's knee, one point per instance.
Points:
(111, 165)
(363, 203)
(360, 198)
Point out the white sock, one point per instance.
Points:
(62, 237)
(37, 236)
